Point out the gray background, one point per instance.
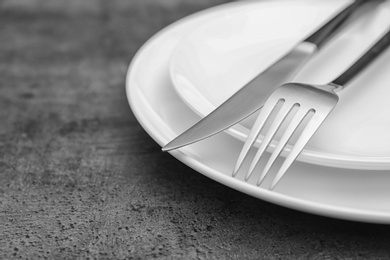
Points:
(80, 178)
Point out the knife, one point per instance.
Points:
(251, 97)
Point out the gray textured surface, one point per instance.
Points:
(81, 179)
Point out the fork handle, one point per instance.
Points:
(321, 36)
(364, 60)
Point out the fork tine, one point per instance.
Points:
(265, 112)
(304, 137)
(292, 127)
(279, 119)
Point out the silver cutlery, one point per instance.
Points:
(299, 105)
(252, 96)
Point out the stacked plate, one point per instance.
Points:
(189, 68)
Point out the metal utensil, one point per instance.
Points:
(252, 96)
(299, 102)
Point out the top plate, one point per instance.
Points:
(223, 53)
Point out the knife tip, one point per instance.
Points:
(179, 142)
(169, 147)
(166, 149)
(186, 138)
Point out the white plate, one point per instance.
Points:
(225, 51)
(340, 193)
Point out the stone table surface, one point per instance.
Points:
(80, 178)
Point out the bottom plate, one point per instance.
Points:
(358, 195)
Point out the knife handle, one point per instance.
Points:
(325, 32)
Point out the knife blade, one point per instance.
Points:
(251, 97)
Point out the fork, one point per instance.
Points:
(299, 106)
